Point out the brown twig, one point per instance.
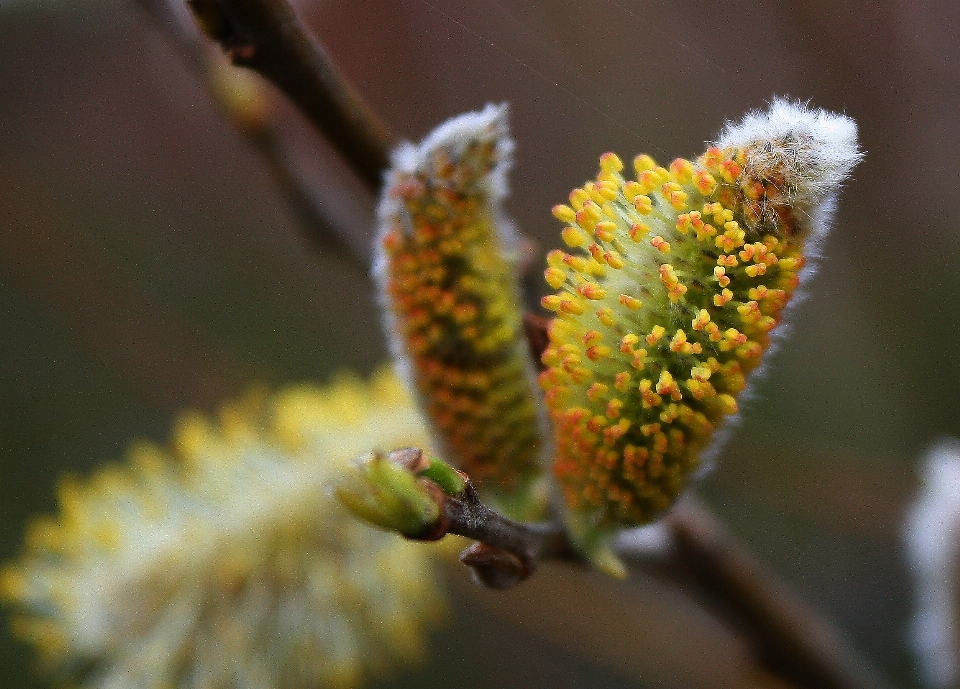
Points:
(268, 37)
(506, 552)
(788, 638)
(694, 552)
(700, 556)
(323, 229)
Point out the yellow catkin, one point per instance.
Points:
(451, 298)
(709, 252)
(224, 560)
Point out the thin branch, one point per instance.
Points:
(506, 552)
(699, 556)
(788, 638)
(269, 139)
(268, 37)
(324, 231)
(424, 499)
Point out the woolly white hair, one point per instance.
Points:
(453, 137)
(814, 150)
(932, 537)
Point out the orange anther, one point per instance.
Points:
(727, 261)
(643, 204)
(705, 182)
(660, 244)
(720, 299)
(605, 316)
(610, 162)
(655, 335)
(628, 342)
(631, 303)
(613, 408)
(592, 291)
(638, 231)
(554, 277)
(613, 259)
(605, 231)
(681, 170)
(597, 352)
(591, 337)
(564, 213)
(596, 391)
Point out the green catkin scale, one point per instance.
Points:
(668, 297)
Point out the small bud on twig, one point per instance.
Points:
(385, 491)
(493, 567)
(424, 499)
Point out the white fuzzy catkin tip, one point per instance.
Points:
(814, 150)
(452, 138)
(933, 535)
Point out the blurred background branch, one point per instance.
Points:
(789, 639)
(268, 37)
(250, 106)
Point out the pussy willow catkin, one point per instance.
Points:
(668, 297)
(445, 266)
(224, 562)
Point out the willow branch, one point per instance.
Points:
(425, 499)
(701, 557)
(705, 560)
(506, 552)
(269, 139)
(324, 231)
(788, 638)
(268, 37)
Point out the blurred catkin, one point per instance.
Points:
(224, 561)
(932, 530)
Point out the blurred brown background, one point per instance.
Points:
(148, 263)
